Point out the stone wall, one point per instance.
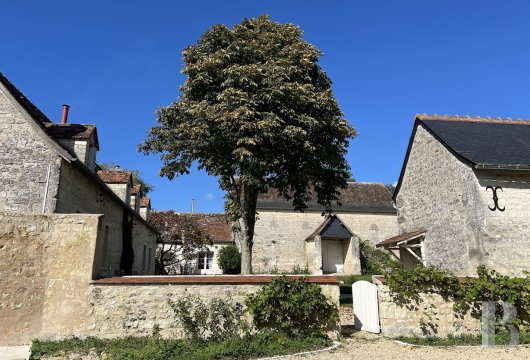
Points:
(428, 315)
(501, 243)
(25, 157)
(449, 199)
(46, 265)
(279, 240)
(439, 194)
(134, 306)
(80, 194)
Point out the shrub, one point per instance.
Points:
(293, 307)
(375, 261)
(215, 321)
(230, 260)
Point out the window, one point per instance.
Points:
(206, 261)
(144, 258)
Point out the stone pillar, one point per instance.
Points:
(355, 251)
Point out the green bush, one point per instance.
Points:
(213, 321)
(375, 261)
(291, 306)
(229, 260)
(155, 348)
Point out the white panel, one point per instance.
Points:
(365, 306)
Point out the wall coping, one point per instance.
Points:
(208, 279)
(381, 279)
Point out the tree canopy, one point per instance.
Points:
(256, 111)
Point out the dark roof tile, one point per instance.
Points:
(403, 237)
(215, 225)
(73, 131)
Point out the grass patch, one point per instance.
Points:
(155, 348)
(501, 338)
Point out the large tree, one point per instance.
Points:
(256, 111)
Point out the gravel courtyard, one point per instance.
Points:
(367, 346)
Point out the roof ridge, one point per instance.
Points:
(472, 119)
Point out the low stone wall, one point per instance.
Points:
(426, 315)
(132, 306)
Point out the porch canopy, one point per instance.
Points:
(411, 243)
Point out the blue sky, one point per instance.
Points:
(115, 62)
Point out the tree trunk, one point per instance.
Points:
(246, 224)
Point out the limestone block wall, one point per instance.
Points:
(80, 194)
(46, 265)
(502, 242)
(429, 315)
(279, 239)
(439, 194)
(25, 158)
(135, 306)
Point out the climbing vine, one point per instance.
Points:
(466, 293)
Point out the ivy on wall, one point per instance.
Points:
(466, 293)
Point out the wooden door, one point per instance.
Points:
(365, 306)
(332, 256)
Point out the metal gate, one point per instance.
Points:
(365, 306)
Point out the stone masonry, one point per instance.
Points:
(441, 194)
(280, 236)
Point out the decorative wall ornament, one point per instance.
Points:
(495, 198)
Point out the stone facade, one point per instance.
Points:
(448, 198)
(280, 236)
(428, 315)
(39, 175)
(26, 159)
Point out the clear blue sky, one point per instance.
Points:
(115, 62)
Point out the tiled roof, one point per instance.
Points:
(115, 177)
(136, 189)
(73, 131)
(483, 142)
(145, 201)
(214, 225)
(357, 196)
(403, 237)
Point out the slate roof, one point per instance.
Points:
(357, 197)
(483, 142)
(115, 177)
(74, 131)
(214, 225)
(405, 236)
(332, 228)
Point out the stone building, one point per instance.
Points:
(286, 240)
(218, 231)
(51, 168)
(463, 195)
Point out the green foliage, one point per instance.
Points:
(348, 280)
(501, 338)
(466, 293)
(298, 270)
(291, 306)
(213, 321)
(229, 260)
(263, 344)
(257, 111)
(375, 261)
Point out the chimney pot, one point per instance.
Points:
(64, 118)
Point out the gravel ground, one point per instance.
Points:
(363, 345)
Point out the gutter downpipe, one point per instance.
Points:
(46, 188)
